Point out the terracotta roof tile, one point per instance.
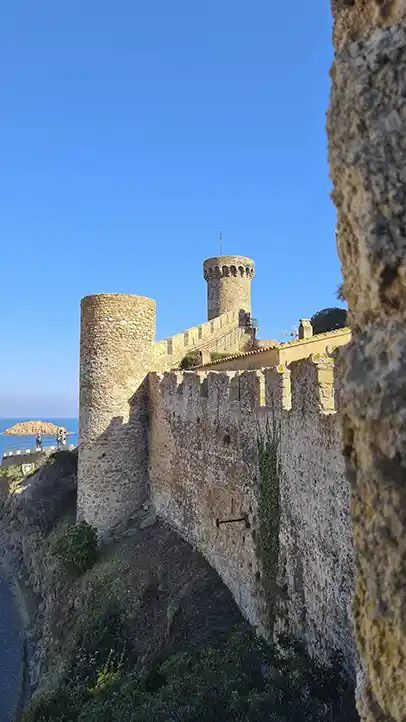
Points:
(296, 342)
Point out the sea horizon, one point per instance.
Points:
(15, 443)
(33, 418)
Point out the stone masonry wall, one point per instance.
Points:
(316, 554)
(196, 475)
(204, 433)
(118, 350)
(228, 284)
(116, 353)
(220, 334)
(367, 154)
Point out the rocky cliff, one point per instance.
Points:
(32, 428)
(143, 629)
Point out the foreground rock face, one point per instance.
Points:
(32, 428)
(367, 152)
(11, 654)
(172, 598)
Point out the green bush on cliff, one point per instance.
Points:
(14, 475)
(243, 681)
(77, 548)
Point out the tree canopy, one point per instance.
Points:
(329, 319)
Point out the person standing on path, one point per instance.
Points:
(39, 442)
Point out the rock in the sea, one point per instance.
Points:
(32, 428)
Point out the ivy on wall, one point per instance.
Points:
(269, 513)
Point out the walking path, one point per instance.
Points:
(11, 653)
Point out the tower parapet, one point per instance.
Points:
(116, 353)
(228, 284)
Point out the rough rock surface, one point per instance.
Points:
(26, 518)
(367, 152)
(11, 654)
(32, 428)
(173, 600)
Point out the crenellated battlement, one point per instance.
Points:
(228, 284)
(225, 266)
(305, 386)
(172, 349)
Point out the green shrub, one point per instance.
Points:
(191, 360)
(216, 356)
(59, 705)
(13, 473)
(77, 548)
(103, 640)
(243, 681)
(328, 319)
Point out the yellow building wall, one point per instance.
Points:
(282, 353)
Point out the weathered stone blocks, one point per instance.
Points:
(367, 152)
(203, 459)
(228, 284)
(116, 353)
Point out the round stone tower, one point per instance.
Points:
(116, 353)
(228, 284)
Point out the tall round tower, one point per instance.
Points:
(228, 284)
(116, 352)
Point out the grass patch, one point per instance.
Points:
(76, 548)
(244, 681)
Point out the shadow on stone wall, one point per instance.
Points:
(113, 468)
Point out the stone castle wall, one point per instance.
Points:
(117, 352)
(198, 474)
(222, 334)
(195, 443)
(204, 465)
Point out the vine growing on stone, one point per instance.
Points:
(269, 512)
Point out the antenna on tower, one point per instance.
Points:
(221, 243)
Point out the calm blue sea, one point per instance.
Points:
(12, 443)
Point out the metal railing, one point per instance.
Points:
(17, 450)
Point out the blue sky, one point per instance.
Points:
(131, 133)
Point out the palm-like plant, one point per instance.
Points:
(340, 293)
